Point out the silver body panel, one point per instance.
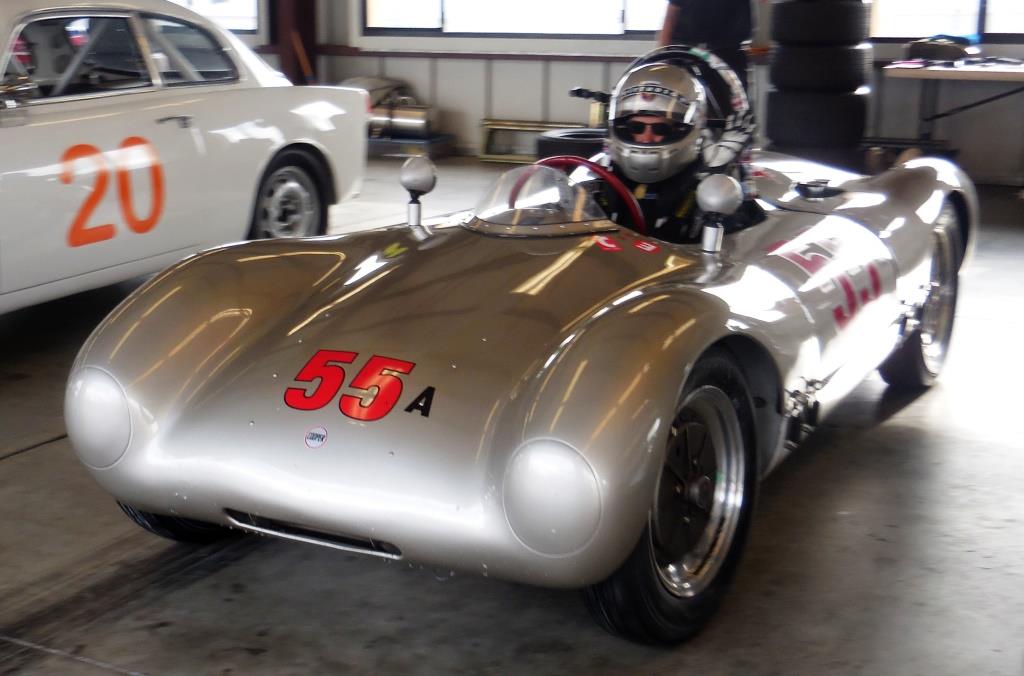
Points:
(573, 348)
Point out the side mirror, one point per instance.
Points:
(16, 90)
(418, 176)
(718, 196)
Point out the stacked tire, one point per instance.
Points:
(820, 68)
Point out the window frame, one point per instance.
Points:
(130, 16)
(986, 38)
(135, 21)
(215, 38)
(369, 31)
(261, 20)
(634, 35)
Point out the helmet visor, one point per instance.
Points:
(646, 133)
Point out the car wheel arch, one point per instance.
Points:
(963, 220)
(314, 162)
(764, 386)
(319, 162)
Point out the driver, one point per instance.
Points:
(660, 146)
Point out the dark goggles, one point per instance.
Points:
(668, 132)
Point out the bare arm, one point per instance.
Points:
(671, 18)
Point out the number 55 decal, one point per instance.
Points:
(81, 233)
(379, 379)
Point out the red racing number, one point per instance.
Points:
(378, 379)
(323, 366)
(81, 233)
(375, 375)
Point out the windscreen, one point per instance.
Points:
(537, 196)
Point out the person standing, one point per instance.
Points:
(720, 26)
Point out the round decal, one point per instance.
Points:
(316, 437)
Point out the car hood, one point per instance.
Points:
(207, 350)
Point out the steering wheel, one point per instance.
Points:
(566, 162)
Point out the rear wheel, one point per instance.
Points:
(916, 363)
(678, 573)
(178, 528)
(290, 201)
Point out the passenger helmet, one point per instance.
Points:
(657, 89)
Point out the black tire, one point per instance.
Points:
(178, 528)
(648, 599)
(916, 363)
(821, 69)
(585, 142)
(291, 199)
(816, 119)
(820, 22)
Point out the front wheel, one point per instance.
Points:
(290, 200)
(676, 576)
(916, 363)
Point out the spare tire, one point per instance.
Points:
(821, 22)
(582, 142)
(821, 69)
(816, 118)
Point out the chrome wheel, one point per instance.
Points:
(676, 576)
(289, 205)
(937, 311)
(700, 495)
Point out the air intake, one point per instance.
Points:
(291, 531)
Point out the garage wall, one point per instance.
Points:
(989, 139)
(465, 90)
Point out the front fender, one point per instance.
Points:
(173, 336)
(610, 391)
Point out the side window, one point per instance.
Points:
(80, 55)
(186, 54)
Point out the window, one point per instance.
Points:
(403, 14)
(564, 17)
(1005, 16)
(234, 15)
(77, 56)
(923, 18)
(642, 15)
(186, 54)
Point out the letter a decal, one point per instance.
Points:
(422, 403)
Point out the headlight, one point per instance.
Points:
(551, 498)
(97, 418)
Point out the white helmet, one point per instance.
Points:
(664, 90)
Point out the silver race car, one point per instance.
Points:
(527, 391)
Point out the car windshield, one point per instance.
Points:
(537, 196)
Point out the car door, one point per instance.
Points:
(97, 171)
(197, 76)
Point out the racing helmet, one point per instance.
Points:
(664, 90)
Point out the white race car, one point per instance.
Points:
(135, 133)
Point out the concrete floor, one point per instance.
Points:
(892, 542)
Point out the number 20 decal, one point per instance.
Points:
(81, 233)
(380, 373)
